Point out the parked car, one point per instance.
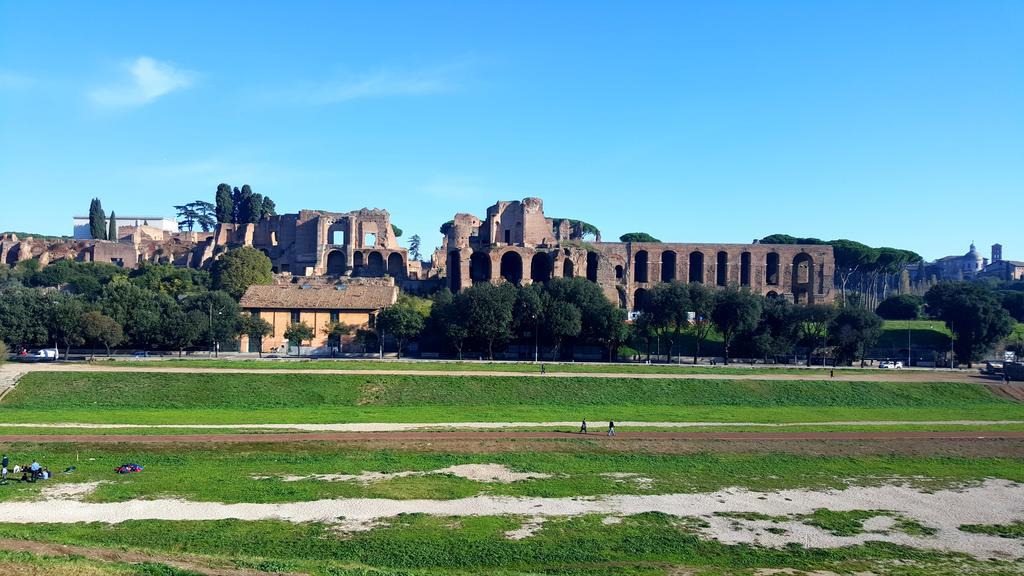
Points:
(141, 354)
(42, 355)
(891, 365)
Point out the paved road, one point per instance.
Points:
(476, 436)
(841, 375)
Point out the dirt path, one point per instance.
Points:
(474, 436)
(447, 426)
(881, 376)
(991, 502)
(121, 556)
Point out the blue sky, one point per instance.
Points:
(893, 123)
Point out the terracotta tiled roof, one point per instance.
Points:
(348, 297)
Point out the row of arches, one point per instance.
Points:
(368, 264)
(803, 265)
(511, 268)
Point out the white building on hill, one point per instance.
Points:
(81, 224)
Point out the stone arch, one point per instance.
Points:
(396, 265)
(568, 268)
(745, 269)
(640, 265)
(512, 267)
(335, 263)
(771, 269)
(619, 272)
(592, 261)
(479, 267)
(668, 266)
(540, 267)
(722, 268)
(454, 271)
(772, 294)
(622, 297)
(357, 259)
(640, 299)
(375, 263)
(803, 279)
(696, 267)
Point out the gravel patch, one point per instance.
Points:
(528, 529)
(991, 502)
(69, 491)
(476, 472)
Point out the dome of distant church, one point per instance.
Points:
(973, 254)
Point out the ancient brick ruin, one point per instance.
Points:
(515, 242)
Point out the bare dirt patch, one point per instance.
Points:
(992, 502)
(194, 564)
(476, 472)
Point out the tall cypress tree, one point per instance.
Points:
(269, 208)
(112, 232)
(97, 220)
(225, 204)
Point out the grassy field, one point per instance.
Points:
(254, 473)
(148, 398)
(646, 544)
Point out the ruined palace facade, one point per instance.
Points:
(516, 243)
(318, 243)
(361, 243)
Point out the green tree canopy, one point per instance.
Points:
(97, 220)
(637, 237)
(901, 307)
(225, 205)
(298, 332)
(852, 332)
(240, 268)
(101, 330)
(414, 247)
(975, 315)
(736, 310)
(112, 231)
(402, 321)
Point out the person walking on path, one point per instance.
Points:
(4, 462)
(583, 427)
(611, 428)
(543, 370)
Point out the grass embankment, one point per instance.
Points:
(152, 398)
(646, 544)
(482, 366)
(923, 333)
(256, 473)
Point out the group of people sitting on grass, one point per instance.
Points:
(29, 473)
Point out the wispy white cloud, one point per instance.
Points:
(13, 80)
(149, 80)
(379, 84)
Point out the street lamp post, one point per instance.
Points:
(536, 347)
(908, 343)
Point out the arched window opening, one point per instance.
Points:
(479, 267)
(771, 269)
(567, 268)
(592, 260)
(696, 267)
(512, 267)
(640, 266)
(745, 269)
(668, 266)
(336, 263)
(540, 267)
